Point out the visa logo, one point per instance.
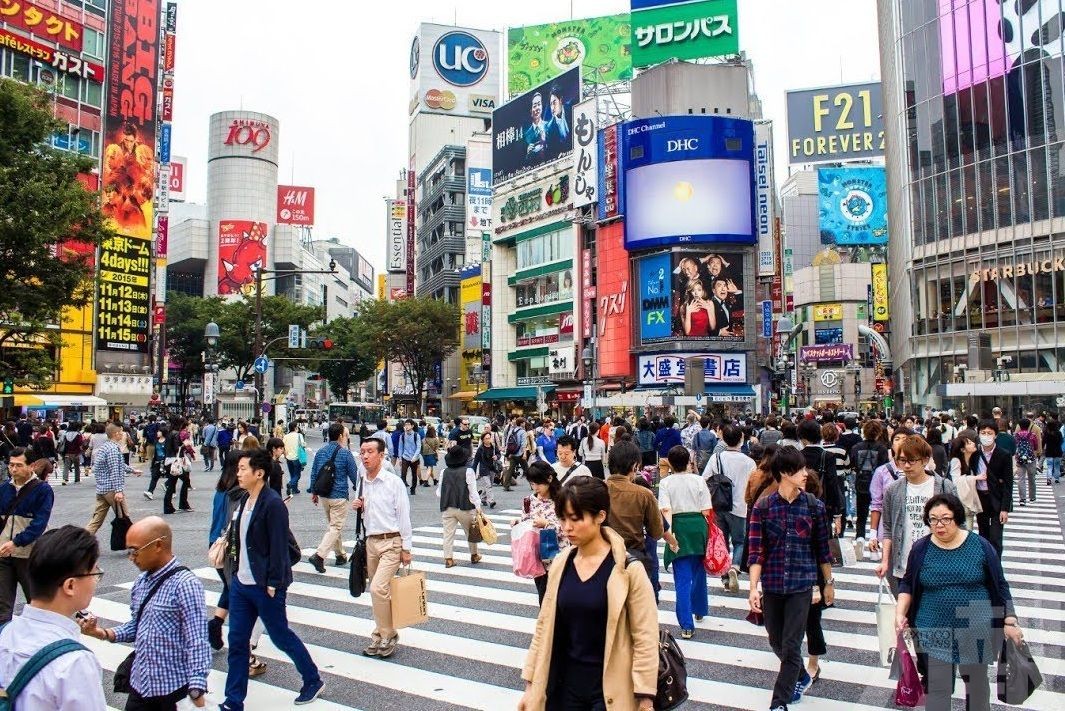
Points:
(482, 102)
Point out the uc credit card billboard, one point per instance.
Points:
(688, 179)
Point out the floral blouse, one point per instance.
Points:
(545, 509)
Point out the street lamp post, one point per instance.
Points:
(589, 375)
(210, 367)
(259, 349)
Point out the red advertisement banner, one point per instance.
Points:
(128, 165)
(42, 22)
(241, 251)
(177, 177)
(162, 236)
(58, 59)
(167, 111)
(295, 205)
(168, 53)
(614, 338)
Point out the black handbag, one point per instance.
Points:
(357, 567)
(672, 673)
(120, 526)
(1018, 676)
(124, 671)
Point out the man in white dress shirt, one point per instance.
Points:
(63, 576)
(389, 536)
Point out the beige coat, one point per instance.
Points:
(630, 665)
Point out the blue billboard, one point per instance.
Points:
(656, 317)
(688, 179)
(853, 205)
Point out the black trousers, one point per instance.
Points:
(136, 702)
(863, 501)
(579, 688)
(815, 634)
(595, 466)
(156, 473)
(785, 622)
(183, 497)
(14, 573)
(990, 528)
(541, 586)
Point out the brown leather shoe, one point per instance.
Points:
(449, 562)
(475, 559)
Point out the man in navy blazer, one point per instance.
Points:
(996, 493)
(257, 559)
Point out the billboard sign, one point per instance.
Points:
(767, 319)
(707, 297)
(839, 352)
(880, 293)
(538, 202)
(43, 22)
(539, 53)
(397, 235)
(128, 165)
(835, 123)
(177, 178)
(765, 197)
(853, 205)
(58, 59)
(162, 236)
(241, 252)
(828, 336)
(688, 179)
(827, 312)
(478, 190)
(123, 296)
(669, 368)
(165, 134)
(454, 71)
(691, 30)
(611, 186)
(656, 316)
(535, 128)
(586, 158)
(614, 332)
(295, 205)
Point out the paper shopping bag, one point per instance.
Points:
(885, 622)
(488, 531)
(410, 603)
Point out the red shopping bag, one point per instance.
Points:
(909, 692)
(717, 560)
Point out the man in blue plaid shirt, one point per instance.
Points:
(173, 656)
(109, 469)
(788, 540)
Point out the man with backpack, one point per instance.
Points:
(822, 463)
(515, 453)
(726, 474)
(866, 457)
(409, 452)
(704, 444)
(69, 448)
(42, 663)
(1028, 450)
(333, 467)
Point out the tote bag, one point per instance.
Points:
(885, 622)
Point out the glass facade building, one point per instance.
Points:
(976, 122)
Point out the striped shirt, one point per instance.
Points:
(109, 468)
(171, 641)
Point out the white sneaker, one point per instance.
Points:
(149, 495)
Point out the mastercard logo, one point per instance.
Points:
(436, 99)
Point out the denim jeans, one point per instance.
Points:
(689, 579)
(246, 604)
(295, 471)
(733, 528)
(1053, 468)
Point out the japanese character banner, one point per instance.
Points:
(241, 251)
(535, 128)
(690, 30)
(42, 22)
(295, 205)
(708, 296)
(128, 166)
(123, 295)
(669, 368)
(585, 179)
(470, 298)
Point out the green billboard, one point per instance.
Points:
(538, 53)
(691, 30)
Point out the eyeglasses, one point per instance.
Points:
(132, 553)
(904, 461)
(940, 521)
(98, 574)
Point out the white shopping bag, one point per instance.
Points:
(885, 623)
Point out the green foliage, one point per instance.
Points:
(42, 207)
(186, 317)
(352, 359)
(236, 320)
(418, 333)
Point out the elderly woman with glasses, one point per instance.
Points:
(903, 507)
(956, 598)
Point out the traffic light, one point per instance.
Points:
(9, 386)
(321, 344)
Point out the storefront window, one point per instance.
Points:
(547, 289)
(544, 330)
(545, 248)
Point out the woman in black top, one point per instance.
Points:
(484, 463)
(276, 447)
(1052, 439)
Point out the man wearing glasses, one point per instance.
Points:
(63, 575)
(25, 507)
(170, 634)
(903, 514)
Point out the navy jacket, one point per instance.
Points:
(30, 517)
(666, 439)
(994, 579)
(268, 541)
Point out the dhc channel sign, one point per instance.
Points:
(460, 59)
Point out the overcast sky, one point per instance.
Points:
(334, 73)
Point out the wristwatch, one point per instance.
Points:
(830, 581)
(195, 694)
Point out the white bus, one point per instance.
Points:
(357, 412)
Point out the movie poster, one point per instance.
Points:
(708, 296)
(241, 252)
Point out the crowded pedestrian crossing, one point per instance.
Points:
(470, 653)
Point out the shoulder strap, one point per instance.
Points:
(155, 588)
(563, 479)
(359, 532)
(42, 658)
(22, 494)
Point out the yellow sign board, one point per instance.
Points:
(880, 293)
(827, 312)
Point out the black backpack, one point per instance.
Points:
(720, 489)
(323, 485)
(864, 466)
(514, 443)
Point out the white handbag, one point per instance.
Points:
(885, 623)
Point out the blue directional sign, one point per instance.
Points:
(261, 364)
(239, 385)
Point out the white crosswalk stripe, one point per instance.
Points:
(470, 653)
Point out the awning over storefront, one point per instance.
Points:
(27, 401)
(730, 393)
(462, 395)
(523, 393)
(71, 400)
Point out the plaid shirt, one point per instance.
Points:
(171, 641)
(783, 538)
(109, 468)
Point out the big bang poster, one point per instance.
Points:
(241, 252)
